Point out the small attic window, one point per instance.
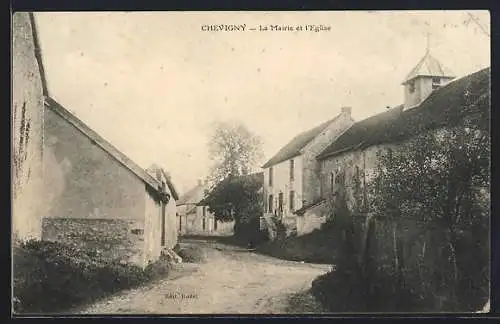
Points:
(436, 83)
(411, 86)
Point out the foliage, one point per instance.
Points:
(234, 150)
(419, 229)
(50, 276)
(314, 247)
(191, 254)
(239, 199)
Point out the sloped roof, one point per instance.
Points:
(428, 66)
(294, 147)
(105, 145)
(171, 185)
(156, 168)
(193, 196)
(445, 106)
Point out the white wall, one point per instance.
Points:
(282, 183)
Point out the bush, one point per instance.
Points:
(415, 237)
(319, 246)
(190, 254)
(50, 276)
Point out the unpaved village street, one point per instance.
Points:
(232, 280)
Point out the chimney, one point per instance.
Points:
(346, 110)
(200, 182)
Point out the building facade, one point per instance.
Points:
(196, 219)
(99, 198)
(169, 220)
(292, 175)
(355, 154)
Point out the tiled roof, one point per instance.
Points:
(445, 106)
(294, 147)
(429, 66)
(105, 145)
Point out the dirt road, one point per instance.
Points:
(232, 280)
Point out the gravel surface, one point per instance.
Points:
(231, 280)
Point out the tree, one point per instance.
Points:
(233, 150)
(439, 182)
(424, 219)
(238, 198)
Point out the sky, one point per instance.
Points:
(154, 83)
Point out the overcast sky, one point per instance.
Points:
(152, 84)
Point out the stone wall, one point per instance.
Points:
(84, 181)
(311, 167)
(312, 219)
(363, 161)
(27, 131)
(118, 239)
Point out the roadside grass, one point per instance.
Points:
(53, 277)
(315, 247)
(304, 302)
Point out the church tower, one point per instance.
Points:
(428, 75)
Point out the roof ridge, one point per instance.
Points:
(297, 150)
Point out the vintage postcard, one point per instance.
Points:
(307, 162)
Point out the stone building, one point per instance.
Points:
(432, 103)
(28, 89)
(292, 175)
(98, 197)
(169, 234)
(195, 218)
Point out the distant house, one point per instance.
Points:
(28, 89)
(432, 103)
(195, 218)
(98, 197)
(292, 175)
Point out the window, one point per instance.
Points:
(411, 87)
(436, 83)
(270, 176)
(270, 205)
(204, 211)
(332, 180)
(292, 200)
(204, 224)
(291, 170)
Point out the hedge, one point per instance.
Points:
(51, 276)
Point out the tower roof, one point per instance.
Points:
(429, 66)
